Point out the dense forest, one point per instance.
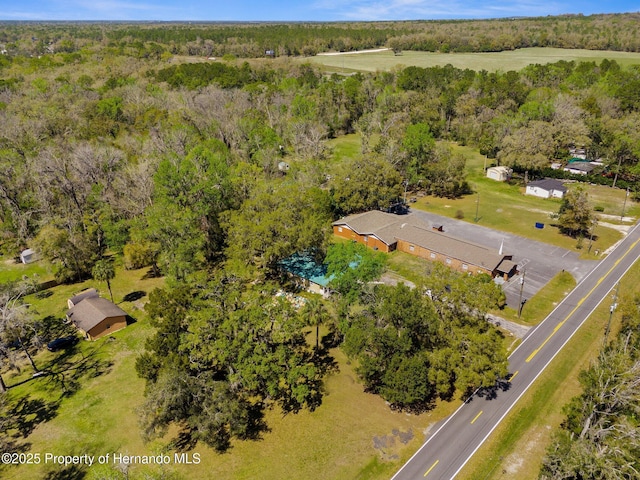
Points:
(596, 32)
(92, 141)
(113, 146)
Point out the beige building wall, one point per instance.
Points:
(107, 326)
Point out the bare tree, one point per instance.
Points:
(16, 322)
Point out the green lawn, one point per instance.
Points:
(491, 62)
(89, 404)
(543, 302)
(353, 434)
(505, 207)
(11, 271)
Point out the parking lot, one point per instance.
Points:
(537, 262)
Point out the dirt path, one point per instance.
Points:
(518, 331)
(373, 50)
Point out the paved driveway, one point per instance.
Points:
(538, 260)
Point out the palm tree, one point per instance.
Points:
(316, 313)
(104, 270)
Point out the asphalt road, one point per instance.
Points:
(541, 261)
(451, 446)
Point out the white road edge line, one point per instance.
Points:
(512, 353)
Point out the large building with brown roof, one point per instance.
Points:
(387, 232)
(96, 317)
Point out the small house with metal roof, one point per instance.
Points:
(547, 188)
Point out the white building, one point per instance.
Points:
(579, 168)
(500, 173)
(28, 256)
(547, 188)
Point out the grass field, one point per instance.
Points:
(491, 62)
(504, 207)
(351, 435)
(11, 271)
(543, 302)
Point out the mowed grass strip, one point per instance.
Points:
(517, 447)
(491, 62)
(12, 271)
(97, 414)
(542, 303)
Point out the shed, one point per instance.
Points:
(547, 188)
(499, 173)
(28, 256)
(97, 317)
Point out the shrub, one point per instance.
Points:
(139, 254)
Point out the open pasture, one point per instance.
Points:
(491, 62)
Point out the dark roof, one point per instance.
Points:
(379, 224)
(548, 184)
(88, 293)
(452, 247)
(580, 166)
(390, 228)
(91, 311)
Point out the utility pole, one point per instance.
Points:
(612, 309)
(477, 207)
(593, 227)
(624, 204)
(520, 304)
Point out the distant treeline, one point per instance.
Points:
(616, 32)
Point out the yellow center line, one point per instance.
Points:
(432, 467)
(580, 302)
(476, 417)
(513, 376)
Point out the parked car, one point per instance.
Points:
(62, 343)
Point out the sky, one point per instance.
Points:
(295, 10)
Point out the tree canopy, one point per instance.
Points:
(222, 353)
(576, 216)
(410, 353)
